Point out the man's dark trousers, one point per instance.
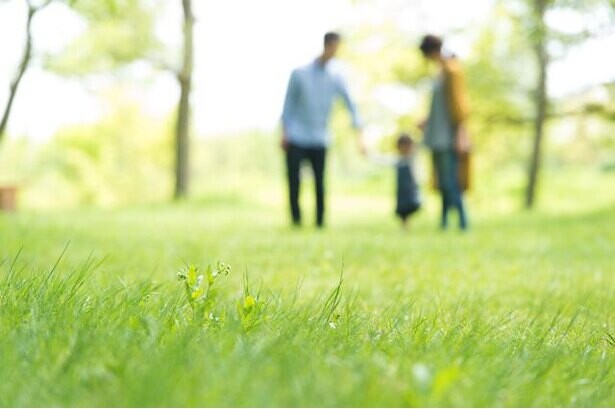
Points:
(295, 155)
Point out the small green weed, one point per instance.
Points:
(200, 292)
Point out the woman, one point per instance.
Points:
(445, 132)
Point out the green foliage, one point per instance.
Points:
(16, 161)
(124, 158)
(501, 109)
(117, 33)
(385, 56)
(250, 308)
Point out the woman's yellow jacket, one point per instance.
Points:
(455, 82)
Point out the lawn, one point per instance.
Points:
(517, 312)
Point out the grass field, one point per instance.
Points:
(520, 311)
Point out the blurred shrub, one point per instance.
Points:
(124, 158)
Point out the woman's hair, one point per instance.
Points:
(431, 44)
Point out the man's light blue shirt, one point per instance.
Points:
(309, 99)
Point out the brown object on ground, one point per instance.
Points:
(8, 198)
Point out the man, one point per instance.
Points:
(445, 130)
(311, 92)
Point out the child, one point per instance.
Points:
(408, 197)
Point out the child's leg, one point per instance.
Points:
(415, 208)
(404, 221)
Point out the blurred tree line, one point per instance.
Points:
(129, 156)
(119, 32)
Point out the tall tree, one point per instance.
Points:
(117, 34)
(540, 98)
(33, 9)
(182, 130)
(541, 36)
(121, 32)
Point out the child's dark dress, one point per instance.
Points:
(408, 198)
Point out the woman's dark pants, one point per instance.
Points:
(447, 170)
(295, 155)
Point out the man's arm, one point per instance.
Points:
(352, 108)
(349, 102)
(289, 106)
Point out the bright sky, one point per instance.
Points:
(245, 50)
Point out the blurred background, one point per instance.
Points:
(90, 89)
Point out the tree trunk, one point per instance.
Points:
(23, 66)
(182, 164)
(541, 101)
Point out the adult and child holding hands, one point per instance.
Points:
(311, 92)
